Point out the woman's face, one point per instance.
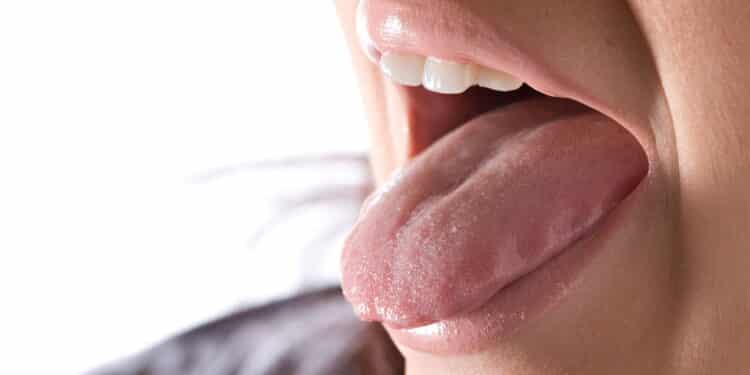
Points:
(605, 232)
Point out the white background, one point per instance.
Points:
(108, 112)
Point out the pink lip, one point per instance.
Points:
(488, 226)
(447, 29)
(457, 31)
(525, 299)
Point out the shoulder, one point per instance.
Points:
(314, 333)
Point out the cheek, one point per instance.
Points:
(382, 152)
(386, 141)
(384, 147)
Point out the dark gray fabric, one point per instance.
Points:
(313, 334)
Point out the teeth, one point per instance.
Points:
(447, 77)
(403, 69)
(443, 76)
(498, 81)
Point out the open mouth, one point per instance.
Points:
(446, 113)
(504, 179)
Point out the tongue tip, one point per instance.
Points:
(389, 318)
(380, 309)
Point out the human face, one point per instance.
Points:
(605, 232)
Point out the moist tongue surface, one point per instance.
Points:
(483, 206)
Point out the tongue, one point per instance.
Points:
(485, 205)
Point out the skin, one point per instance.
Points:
(672, 291)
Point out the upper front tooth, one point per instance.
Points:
(404, 69)
(498, 81)
(443, 76)
(448, 77)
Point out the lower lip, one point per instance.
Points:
(489, 227)
(524, 301)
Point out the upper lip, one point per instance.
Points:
(450, 30)
(456, 31)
